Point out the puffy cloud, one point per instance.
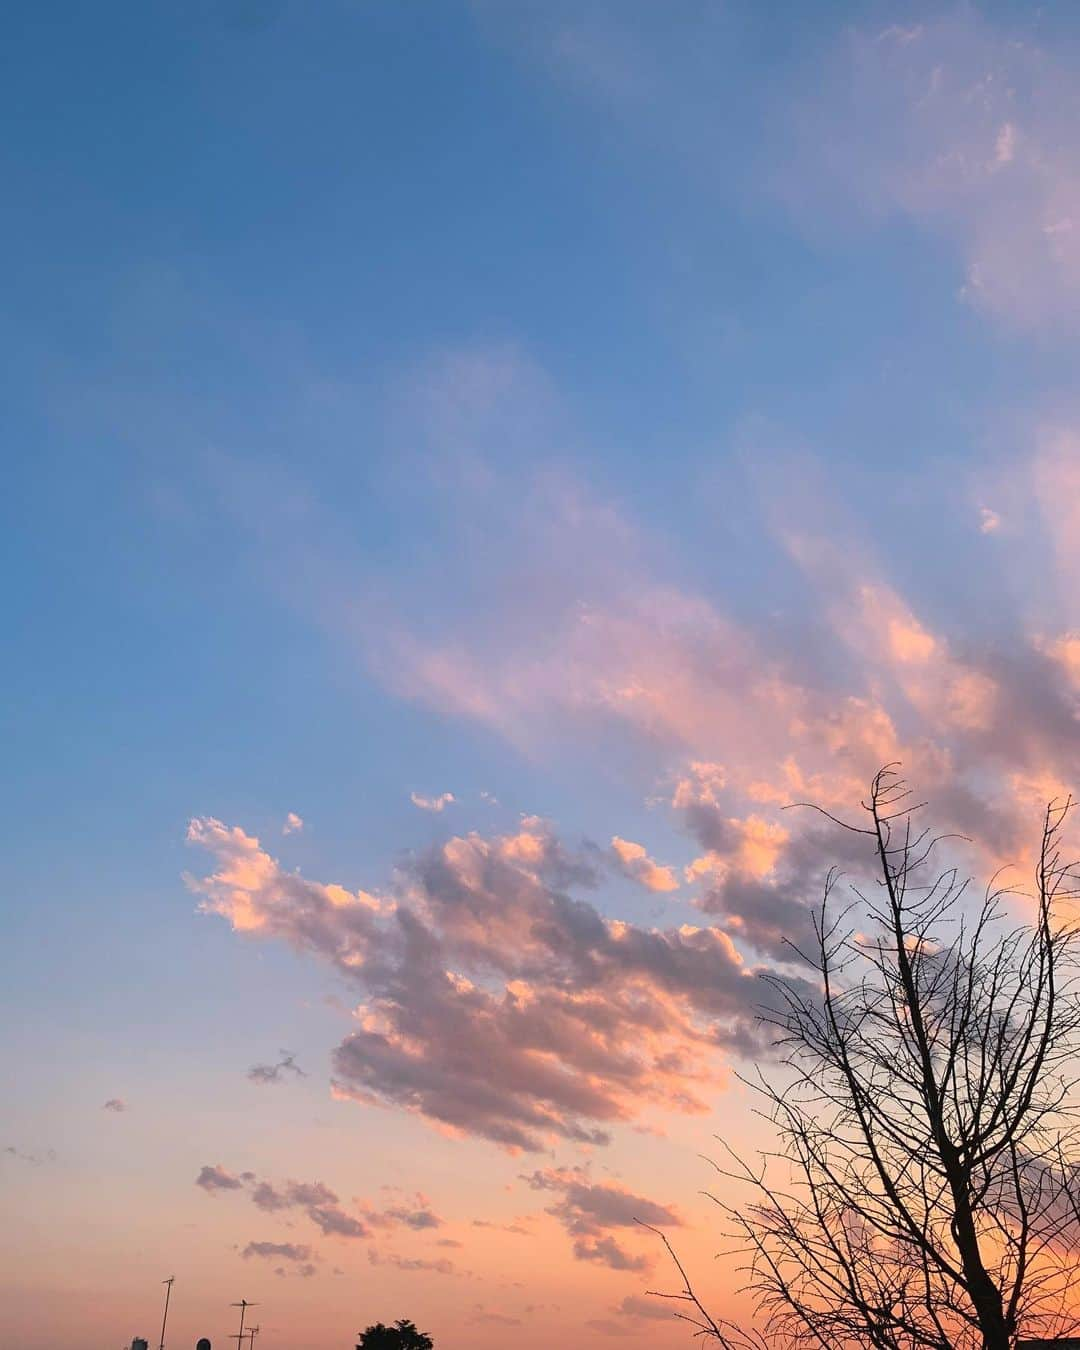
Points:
(116, 1104)
(264, 1074)
(293, 824)
(589, 1210)
(215, 1178)
(253, 891)
(439, 803)
(497, 1003)
(334, 1222)
(634, 861)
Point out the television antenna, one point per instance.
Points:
(252, 1333)
(165, 1316)
(243, 1305)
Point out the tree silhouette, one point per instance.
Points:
(923, 1192)
(402, 1335)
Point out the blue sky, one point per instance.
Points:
(521, 401)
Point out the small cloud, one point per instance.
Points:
(648, 1309)
(116, 1104)
(633, 861)
(33, 1159)
(293, 824)
(489, 797)
(438, 803)
(274, 1073)
(439, 1267)
(1005, 145)
(989, 521)
(489, 1317)
(282, 1251)
(215, 1178)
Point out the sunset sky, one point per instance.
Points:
(470, 465)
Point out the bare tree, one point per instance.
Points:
(923, 1191)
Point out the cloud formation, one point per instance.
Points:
(317, 1201)
(590, 1210)
(320, 1205)
(115, 1104)
(498, 1003)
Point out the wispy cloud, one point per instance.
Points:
(591, 1210)
(966, 127)
(439, 803)
(264, 1074)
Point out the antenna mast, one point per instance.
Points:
(165, 1316)
(243, 1305)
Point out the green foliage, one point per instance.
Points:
(402, 1335)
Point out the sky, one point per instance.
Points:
(469, 467)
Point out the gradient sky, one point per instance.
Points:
(469, 465)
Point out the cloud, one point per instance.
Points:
(634, 861)
(293, 824)
(318, 1202)
(215, 1178)
(644, 1309)
(287, 1251)
(606, 1327)
(264, 1074)
(417, 1219)
(498, 993)
(969, 132)
(496, 1003)
(517, 1228)
(482, 1316)
(439, 1266)
(32, 1159)
(588, 1210)
(435, 804)
(116, 1104)
(989, 521)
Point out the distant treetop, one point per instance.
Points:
(402, 1335)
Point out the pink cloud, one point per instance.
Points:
(439, 803)
(495, 1003)
(635, 862)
